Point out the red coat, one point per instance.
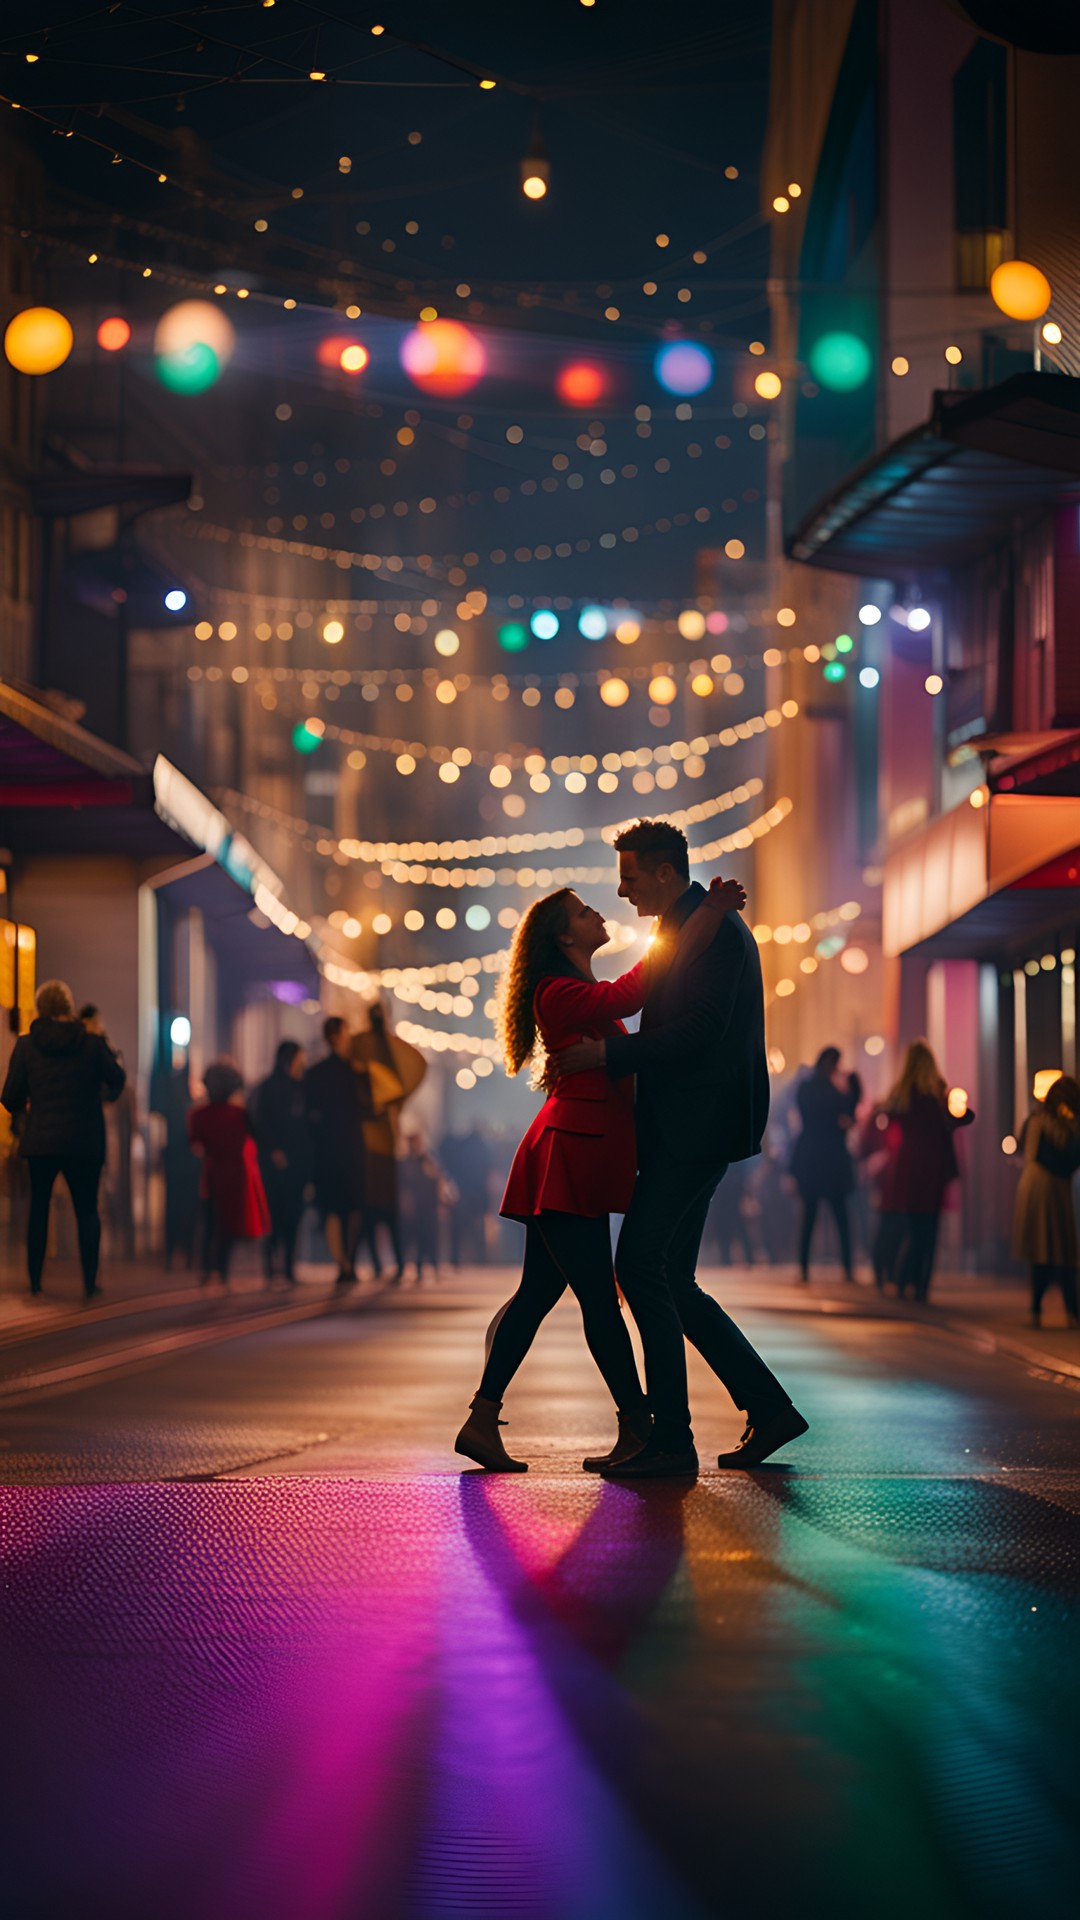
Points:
(230, 1169)
(924, 1163)
(580, 1154)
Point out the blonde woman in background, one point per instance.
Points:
(1044, 1217)
(923, 1166)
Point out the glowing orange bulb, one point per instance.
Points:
(354, 359)
(442, 356)
(113, 334)
(581, 384)
(533, 187)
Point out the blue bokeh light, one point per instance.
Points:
(592, 623)
(682, 367)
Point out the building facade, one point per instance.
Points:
(926, 489)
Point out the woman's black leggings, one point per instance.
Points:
(566, 1250)
(83, 1179)
(1043, 1277)
(838, 1203)
(916, 1263)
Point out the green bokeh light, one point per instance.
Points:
(840, 361)
(844, 643)
(513, 638)
(303, 740)
(835, 670)
(191, 371)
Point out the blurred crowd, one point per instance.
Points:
(321, 1154)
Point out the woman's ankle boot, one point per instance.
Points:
(634, 1430)
(480, 1439)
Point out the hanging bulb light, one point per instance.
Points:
(535, 167)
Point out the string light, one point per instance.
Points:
(490, 846)
(643, 757)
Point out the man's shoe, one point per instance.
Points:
(652, 1462)
(766, 1438)
(633, 1435)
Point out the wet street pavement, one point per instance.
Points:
(269, 1652)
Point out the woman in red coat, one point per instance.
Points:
(575, 1165)
(234, 1205)
(923, 1165)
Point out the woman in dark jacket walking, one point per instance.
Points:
(58, 1076)
(923, 1166)
(820, 1162)
(279, 1119)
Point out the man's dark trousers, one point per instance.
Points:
(656, 1261)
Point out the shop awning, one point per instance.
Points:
(250, 946)
(941, 493)
(62, 790)
(977, 877)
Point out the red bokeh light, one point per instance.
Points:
(329, 351)
(113, 334)
(581, 383)
(442, 356)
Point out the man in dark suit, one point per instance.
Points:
(702, 1102)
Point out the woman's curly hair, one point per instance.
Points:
(534, 953)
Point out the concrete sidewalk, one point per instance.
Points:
(141, 1287)
(992, 1312)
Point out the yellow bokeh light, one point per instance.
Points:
(702, 684)
(447, 642)
(734, 549)
(662, 690)
(614, 692)
(533, 187)
(785, 616)
(38, 340)
(382, 923)
(1051, 333)
(768, 385)
(691, 624)
(954, 355)
(354, 359)
(900, 366)
(781, 204)
(227, 630)
(333, 633)
(1020, 290)
(627, 632)
(405, 763)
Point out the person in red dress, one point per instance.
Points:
(576, 1163)
(234, 1205)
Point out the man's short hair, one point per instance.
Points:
(331, 1027)
(656, 842)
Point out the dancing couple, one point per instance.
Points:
(701, 1102)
